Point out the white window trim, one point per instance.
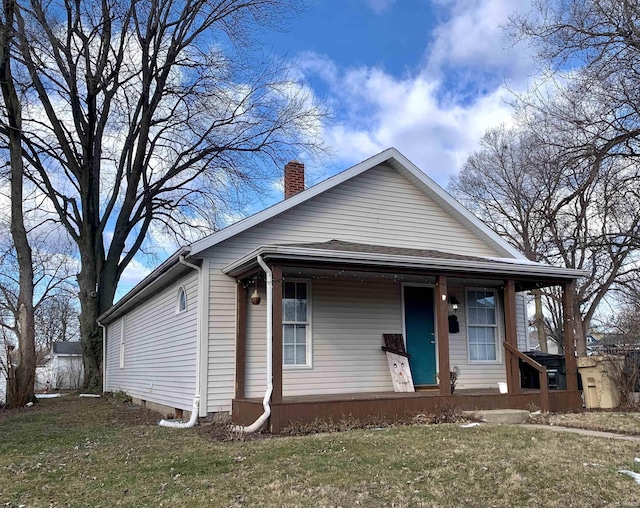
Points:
(309, 334)
(182, 289)
(122, 343)
(498, 330)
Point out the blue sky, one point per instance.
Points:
(428, 77)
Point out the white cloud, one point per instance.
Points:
(437, 115)
(379, 6)
(132, 274)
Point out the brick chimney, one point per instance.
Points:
(293, 178)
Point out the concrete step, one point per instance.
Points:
(510, 416)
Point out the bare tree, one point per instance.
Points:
(552, 190)
(21, 390)
(150, 115)
(56, 321)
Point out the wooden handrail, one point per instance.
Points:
(542, 372)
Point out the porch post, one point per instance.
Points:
(276, 331)
(442, 320)
(571, 368)
(241, 337)
(511, 337)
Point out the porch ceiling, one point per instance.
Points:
(339, 255)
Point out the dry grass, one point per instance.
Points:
(93, 452)
(609, 421)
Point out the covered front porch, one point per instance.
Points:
(304, 374)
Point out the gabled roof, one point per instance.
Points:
(389, 157)
(397, 161)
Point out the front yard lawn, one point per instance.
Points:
(95, 452)
(608, 421)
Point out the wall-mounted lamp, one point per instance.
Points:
(454, 302)
(255, 296)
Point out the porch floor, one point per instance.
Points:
(420, 393)
(306, 409)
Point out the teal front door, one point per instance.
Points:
(421, 339)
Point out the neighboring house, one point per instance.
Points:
(377, 249)
(552, 345)
(62, 368)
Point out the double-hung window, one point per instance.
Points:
(482, 327)
(295, 323)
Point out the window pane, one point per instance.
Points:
(301, 310)
(289, 334)
(289, 357)
(301, 334)
(490, 300)
(473, 315)
(301, 355)
(301, 290)
(289, 309)
(289, 290)
(491, 353)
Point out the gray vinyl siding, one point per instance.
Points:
(348, 320)
(481, 374)
(378, 207)
(160, 349)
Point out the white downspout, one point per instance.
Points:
(104, 355)
(196, 398)
(257, 425)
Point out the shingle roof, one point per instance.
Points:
(67, 348)
(382, 249)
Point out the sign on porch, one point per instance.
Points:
(398, 360)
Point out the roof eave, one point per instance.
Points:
(389, 260)
(139, 291)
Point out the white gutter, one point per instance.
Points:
(257, 425)
(403, 261)
(196, 398)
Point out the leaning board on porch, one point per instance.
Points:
(398, 360)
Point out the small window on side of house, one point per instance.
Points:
(181, 303)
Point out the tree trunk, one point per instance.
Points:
(23, 389)
(581, 331)
(96, 295)
(539, 321)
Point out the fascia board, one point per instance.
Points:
(344, 257)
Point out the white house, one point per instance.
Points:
(63, 367)
(377, 249)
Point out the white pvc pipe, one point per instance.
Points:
(175, 424)
(257, 425)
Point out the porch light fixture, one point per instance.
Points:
(255, 296)
(454, 302)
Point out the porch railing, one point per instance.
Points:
(542, 373)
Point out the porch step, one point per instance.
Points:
(511, 416)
